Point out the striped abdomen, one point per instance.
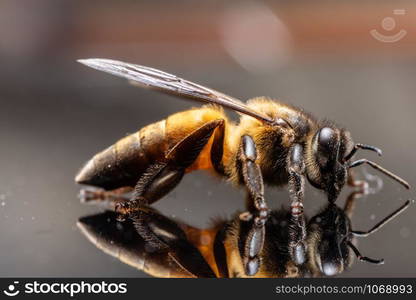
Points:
(123, 163)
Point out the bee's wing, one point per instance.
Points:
(170, 83)
(122, 241)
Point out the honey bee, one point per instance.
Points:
(218, 251)
(273, 142)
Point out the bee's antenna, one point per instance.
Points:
(365, 147)
(382, 222)
(364, 258)
(381, 169)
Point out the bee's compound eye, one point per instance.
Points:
(324, 145)
(326, 136)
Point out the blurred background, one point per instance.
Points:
(350, 61)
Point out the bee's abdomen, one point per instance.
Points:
(123, 163)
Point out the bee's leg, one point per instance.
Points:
(162, 177)
(251, 175)
(297, 230)
(217, 149)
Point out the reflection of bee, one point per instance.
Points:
(219, 250)
(274, 142)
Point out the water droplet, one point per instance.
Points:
(33, 218)
(3, 203)
(372, 217)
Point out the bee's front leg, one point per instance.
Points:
(251, 175)
(297, 231)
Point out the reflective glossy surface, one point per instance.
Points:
(55, 114)
(216, 251)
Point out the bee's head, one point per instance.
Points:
(328, 238)
(328, 156)
(327, 168)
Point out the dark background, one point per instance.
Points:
(55, 113)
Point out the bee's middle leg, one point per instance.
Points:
(162, 177)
